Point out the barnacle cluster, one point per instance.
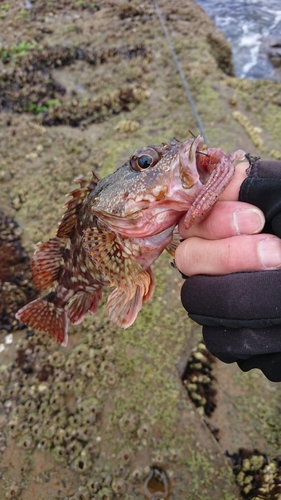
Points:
(53, 401)
(58, 56)
(47, 398)
(258, 477)
(38, 8)
(16, 287)
(198, 379)
(125, 126)
(27, 83)
(254, 135)
(95, 109)
(134, 10)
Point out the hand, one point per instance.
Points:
(228, 240)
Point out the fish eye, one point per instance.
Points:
(144, 161)
(144, 158)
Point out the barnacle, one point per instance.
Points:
(60, 419)
(4, 375)
(13, 492)
(128, 422)
(111, 379)
(70, 365)
(82, 493)
(108, 352)
(87, 369)
(105, 494)
(59, 453)
(56, 401)
(12, 390)
(56, 359)
(59, 375)
(95, 355)
(93, 448)
(157, 457)
(32, 418)
(75, 420)
(82, 463)
(118, 486)
(44, 409)
(174, 455)
(94, 485)
(136, 475)
(143, 431)
(106, 367)
(44, 444)
(30, 405)
(74, 448)
(126, 456)
(80, 353)
(59, 437)
(26, 442)
(13, 426)
(91, 405)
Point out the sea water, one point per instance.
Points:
(248, 25)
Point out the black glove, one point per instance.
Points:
(241, 312)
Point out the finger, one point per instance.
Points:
(231, 192)
(236, 254)
(227, 218)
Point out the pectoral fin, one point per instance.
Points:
(114, 257)
(171, 248)
(124, 312)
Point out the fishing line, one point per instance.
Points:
(177, 63)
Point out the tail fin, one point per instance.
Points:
(43, 315)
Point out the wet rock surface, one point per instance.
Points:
(109, 417)
(16, 286)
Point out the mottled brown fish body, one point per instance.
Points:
(114, 228)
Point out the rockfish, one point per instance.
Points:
(114, 228)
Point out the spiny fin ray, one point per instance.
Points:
(73, 206)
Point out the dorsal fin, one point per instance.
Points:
(72, 206)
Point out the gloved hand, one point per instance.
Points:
(241, 312)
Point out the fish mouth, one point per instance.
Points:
(196, 163)
(204, 165)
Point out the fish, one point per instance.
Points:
(114, 228)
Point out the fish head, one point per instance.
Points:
(154, 188)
